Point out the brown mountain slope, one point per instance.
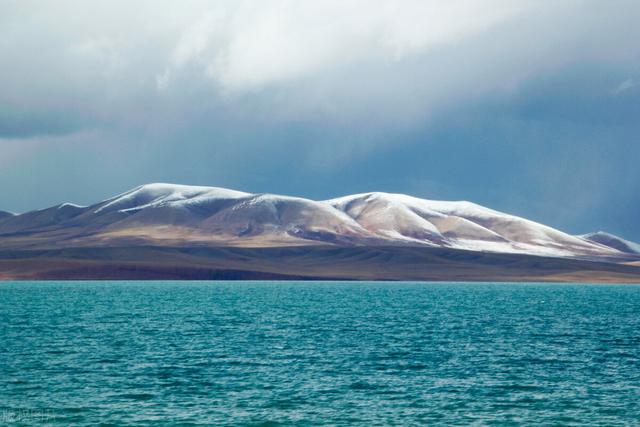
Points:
(306, 262)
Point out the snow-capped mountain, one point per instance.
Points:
(4, 214)
(171, 214)
(460, 225)
(613, 241)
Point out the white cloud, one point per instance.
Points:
(624, 86)
(196, 39)
(247, 45)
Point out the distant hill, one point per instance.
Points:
(612, 241)
(4, 214)
(177, 219)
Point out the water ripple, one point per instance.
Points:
(242, 353)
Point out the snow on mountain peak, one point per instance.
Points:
(458, 224)
(68, 205)
(612, 241)
(158, 194)
(169, 211)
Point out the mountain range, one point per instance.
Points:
(176, 231)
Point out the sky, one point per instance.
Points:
(528, 107)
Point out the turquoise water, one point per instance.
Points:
(309, 353)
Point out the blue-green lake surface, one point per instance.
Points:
(310, 353)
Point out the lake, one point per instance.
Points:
(311, 353)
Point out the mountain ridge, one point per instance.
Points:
(172, 213)
(613, 241)
(5, 214)
(168, 231)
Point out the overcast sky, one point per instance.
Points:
(529, 107)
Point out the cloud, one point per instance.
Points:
(247, 45)
(388, 64)
(624, 86)
(322, 96)
(299, 39)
